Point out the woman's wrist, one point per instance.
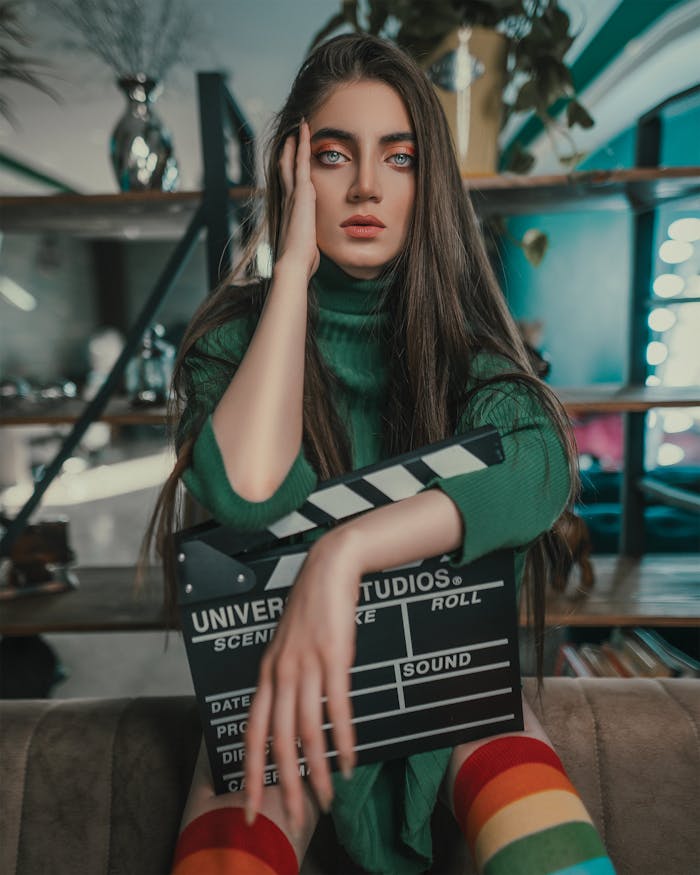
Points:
(427, 524)
(340, 545)
(290, 269)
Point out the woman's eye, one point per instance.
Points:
(405, 159)
(329, 156)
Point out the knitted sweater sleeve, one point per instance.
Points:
(209, 369)
(510, 504)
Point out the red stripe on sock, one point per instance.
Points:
(226, 828)
(493, 758)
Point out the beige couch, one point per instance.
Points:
(96, 786)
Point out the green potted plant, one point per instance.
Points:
(532, 76)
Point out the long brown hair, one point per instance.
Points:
(445, 303)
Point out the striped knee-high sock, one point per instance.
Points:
(521, 815)
(220, 842)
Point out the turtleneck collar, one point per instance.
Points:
(339, 292)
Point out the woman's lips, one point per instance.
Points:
(362, 226)
(362, 230)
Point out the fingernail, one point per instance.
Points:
(325, 802)
(249, 814)
(345, 769)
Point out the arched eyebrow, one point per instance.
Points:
(346, 136)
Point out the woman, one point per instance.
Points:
(381, 329)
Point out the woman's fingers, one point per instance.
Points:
(284, 745)
(286, 164)
(312, 736)
(256, 744)
(340, 714)
(295, 159)
(303, 158)
(308, 659)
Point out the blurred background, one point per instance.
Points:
(71, 287)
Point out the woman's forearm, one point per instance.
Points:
(425, 525)
(259, 419)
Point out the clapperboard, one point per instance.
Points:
(436, 648)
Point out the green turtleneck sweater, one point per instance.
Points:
(382, 815)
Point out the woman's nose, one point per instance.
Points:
(365, 185)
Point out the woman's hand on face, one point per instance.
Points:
(298, 227)
(309, 658)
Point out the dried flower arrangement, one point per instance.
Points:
(130, 36)
(16, 66)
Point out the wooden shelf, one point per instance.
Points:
(147, 215)
(614, 398)
(106, 600)
(117, 412)
(637, 188)
(164, 215)
(658, 590)
(586, 399)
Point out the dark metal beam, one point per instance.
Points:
(166, 281)
(632, 533)
(212, 96)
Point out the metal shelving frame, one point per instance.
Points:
(636, 485)
(221, 119)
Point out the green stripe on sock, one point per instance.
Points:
(548, 850)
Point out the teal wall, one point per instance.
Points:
(581, 289)
(680, 145)
(617, 154)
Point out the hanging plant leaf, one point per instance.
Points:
(506, 114)
(558, 21)
(570, 162)
(534, 245)
(378, 14)
(553, 80)
(423, 24)
(520, 161)
(576, 114)
(528, 97)
(539, 37)
(487, 13)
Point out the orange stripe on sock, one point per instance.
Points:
(483, 764)
(222, 861)
(535, 813)
(509, 786)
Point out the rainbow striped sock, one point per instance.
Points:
(521, 815)
(220, 842)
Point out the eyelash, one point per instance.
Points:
(393, 155)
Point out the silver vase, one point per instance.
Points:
(141, 147)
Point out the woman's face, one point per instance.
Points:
(363, 163)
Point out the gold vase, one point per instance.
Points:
(473, 96)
